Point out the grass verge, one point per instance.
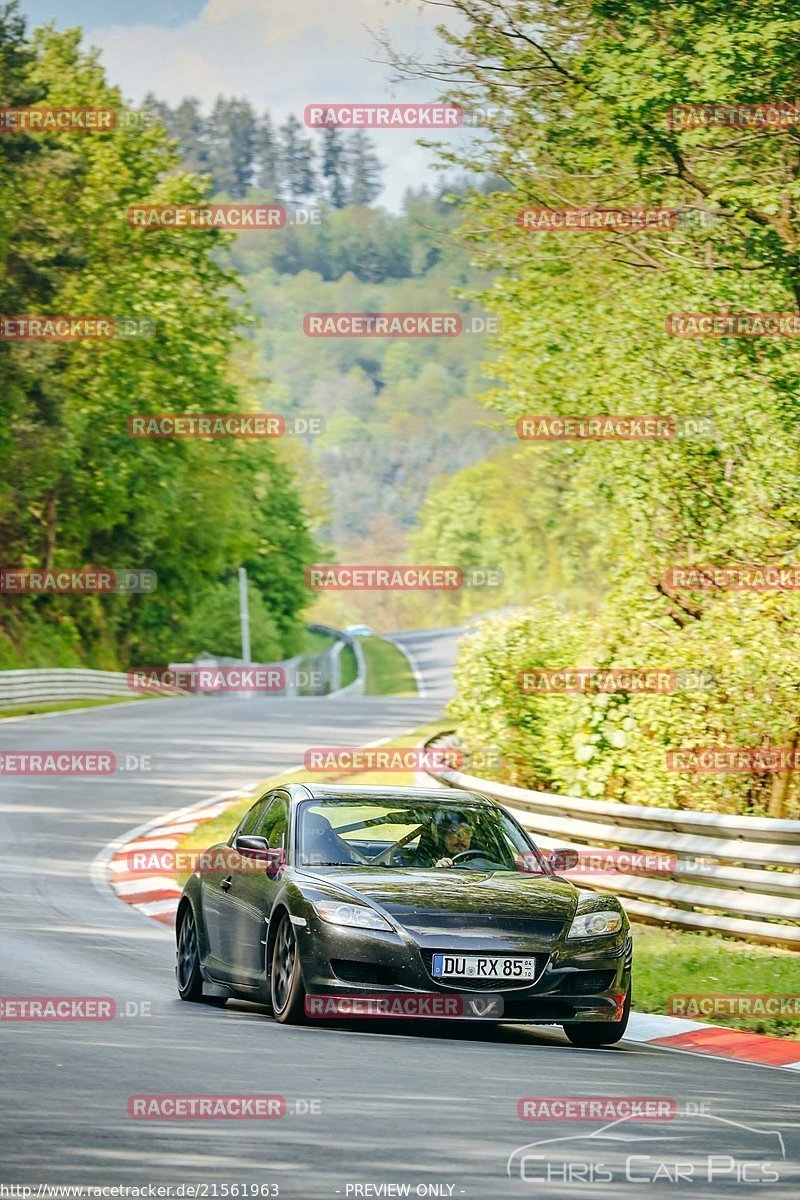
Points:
(388, 669)
(348, 666)
(316, 643)
(669, 962)
(30, 710)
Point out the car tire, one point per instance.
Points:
(286, 988)
(600, 1033)
(187, 968)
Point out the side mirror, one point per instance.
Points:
(276, 861)
(258, 848)
(564, 860)
(252, 847)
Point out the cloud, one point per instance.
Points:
(282, 55)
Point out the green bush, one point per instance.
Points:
(732, 690)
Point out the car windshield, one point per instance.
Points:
(389, 832)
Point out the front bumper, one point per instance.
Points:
(578, 981)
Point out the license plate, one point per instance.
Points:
(471, 966)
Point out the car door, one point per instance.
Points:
(219, 894)
(255, 894)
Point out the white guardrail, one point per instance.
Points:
(331, 662)
(51, 685)
(733, 875)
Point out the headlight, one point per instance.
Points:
(594, 924)
(357, 916)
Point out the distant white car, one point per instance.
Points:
(358, 631)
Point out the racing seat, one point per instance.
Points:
(322, 845)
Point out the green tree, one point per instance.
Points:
(77, 490)
(231, 131)
(363, 170)
(213, 625)
(266, 153)
(190, 127)
(582, 94)
(333, 166)
(297, 156)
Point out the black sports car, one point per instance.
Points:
(329, 891)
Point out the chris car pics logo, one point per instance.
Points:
(693, 1150)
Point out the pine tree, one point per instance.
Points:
(298, 160)
(231, 133)
(267, 156)
(334, 165)
(364, 170)
(189, 126)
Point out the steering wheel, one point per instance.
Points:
(465, 854)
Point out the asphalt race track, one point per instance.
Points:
(425, 1106)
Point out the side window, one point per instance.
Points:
(275, 823)
(251, 819)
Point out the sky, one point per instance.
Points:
(279, 54)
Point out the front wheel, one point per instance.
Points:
(600, 1033)
(187, 968)
(287, 992)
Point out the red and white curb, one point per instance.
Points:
(698, 1037)
(156, 895)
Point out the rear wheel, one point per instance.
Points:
(600, 1033)
(287, 992)
(187, 969)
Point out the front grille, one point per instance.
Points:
(484, 927)
(468, 983)
(589, 983)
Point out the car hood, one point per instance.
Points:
(468, 905)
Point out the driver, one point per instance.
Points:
(455, 837)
